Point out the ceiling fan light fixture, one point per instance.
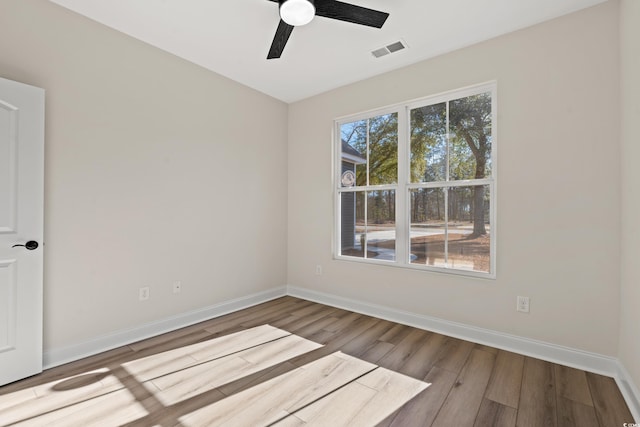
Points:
(297, 12)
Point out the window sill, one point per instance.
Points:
(418, 267)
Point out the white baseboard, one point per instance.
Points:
(629, 391)
(103, 343)
(587, 361)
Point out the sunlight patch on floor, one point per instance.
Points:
(194, 381)
(335, 390)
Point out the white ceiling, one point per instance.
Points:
(233, 37)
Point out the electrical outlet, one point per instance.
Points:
(318, 270)
(522, 304)
(177, 287)
(143, 293)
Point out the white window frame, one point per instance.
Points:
(404, 184)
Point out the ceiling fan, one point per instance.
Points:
(294, 13)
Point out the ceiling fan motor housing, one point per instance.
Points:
(297, 12)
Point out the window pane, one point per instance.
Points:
(381, 225)
(378, 135)
(469, 228)
(470, 137)
(427, 227)
(354, 151)
(429, 143)
(383, 149)
(352, 224)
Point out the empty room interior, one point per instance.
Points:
(430, 219)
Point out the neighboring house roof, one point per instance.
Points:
(352, 155)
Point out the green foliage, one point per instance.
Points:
(428, 143)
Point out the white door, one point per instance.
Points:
(21, 221)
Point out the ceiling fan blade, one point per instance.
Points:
(280, 40)
(350, 13)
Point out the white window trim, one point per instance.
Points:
(403, 209)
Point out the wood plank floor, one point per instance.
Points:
(291, 362)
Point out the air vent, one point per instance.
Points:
(393, 47)
(380, 52)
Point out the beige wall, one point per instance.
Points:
(558, 185)
(156, 170)
(630, 72)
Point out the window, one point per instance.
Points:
(415, 184)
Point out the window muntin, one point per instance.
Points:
(424, 190)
